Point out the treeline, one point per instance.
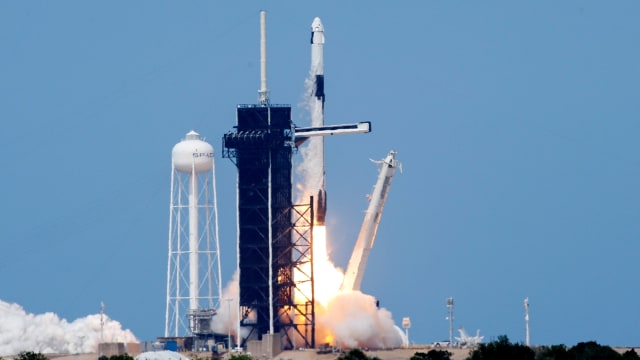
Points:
(503, 349)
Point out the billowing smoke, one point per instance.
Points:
(354, 320)
(47, 333)
(226, 316)
(226, 319)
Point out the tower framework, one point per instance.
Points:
(261, 148)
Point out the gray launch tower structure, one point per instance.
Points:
(274, 236)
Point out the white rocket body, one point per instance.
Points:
(316, 108)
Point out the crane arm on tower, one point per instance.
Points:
(303, 133)
(358, 262)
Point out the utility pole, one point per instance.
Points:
(102, 322)
(450, 318)
(527, 340)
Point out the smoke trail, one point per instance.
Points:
(311, 168)
(47, 333)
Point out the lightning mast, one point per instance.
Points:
(263, 93)
(450, 318)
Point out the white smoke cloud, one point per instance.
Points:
(226, 319)
(354, 321)
(47, 333)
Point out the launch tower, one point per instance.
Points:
(262, 151)
(273, 237)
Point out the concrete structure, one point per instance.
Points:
(118, 348)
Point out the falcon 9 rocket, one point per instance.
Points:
(317, 109)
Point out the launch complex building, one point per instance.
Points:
(274, 236)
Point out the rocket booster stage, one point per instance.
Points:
(317, 109)
(321, 207)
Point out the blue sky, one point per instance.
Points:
(517, 124)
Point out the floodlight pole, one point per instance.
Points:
(229, 326)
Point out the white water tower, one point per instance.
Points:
(193, 267)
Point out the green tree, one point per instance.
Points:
(591, 350)
(30, 355)
(627, 355)
(432, 355)
(553, 352)
(240, 357)
(502, 349)
(355, 354)
(121, 357)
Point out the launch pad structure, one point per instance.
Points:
(275, 260)
(261, 148)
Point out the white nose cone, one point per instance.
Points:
(192, 153)
(316, 25)
(317, 31)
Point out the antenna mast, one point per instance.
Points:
(263, 93)
(526, 322)
(101, 322)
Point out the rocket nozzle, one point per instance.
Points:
(321, 207)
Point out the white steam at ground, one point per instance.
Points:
(47, 333)
(226, 316)
(226, 319)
